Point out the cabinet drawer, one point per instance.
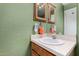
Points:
(41, 51)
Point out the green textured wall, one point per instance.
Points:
(60, 18)
(77, 46)
(15, 28)
(69, 6)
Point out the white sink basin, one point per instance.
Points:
(49, 40)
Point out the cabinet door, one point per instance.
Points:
(41, 51)
(34, 53)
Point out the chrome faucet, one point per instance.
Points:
(54, 36)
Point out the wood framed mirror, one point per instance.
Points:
(39, 12)
(51, 13)
(44, 12)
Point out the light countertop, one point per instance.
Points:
(59, 50)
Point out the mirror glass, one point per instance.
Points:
(41, 10)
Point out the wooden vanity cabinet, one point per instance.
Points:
(39, 51)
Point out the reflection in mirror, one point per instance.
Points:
(39, 12)
(51, 13)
